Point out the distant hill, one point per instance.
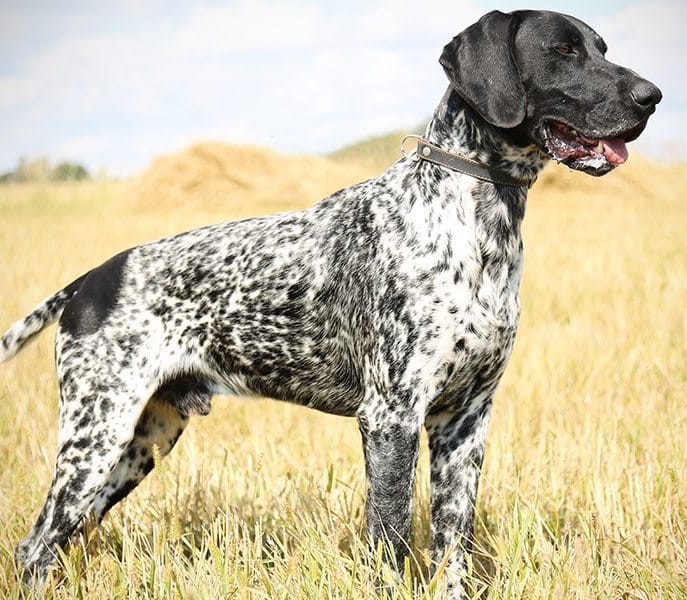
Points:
(376, 152)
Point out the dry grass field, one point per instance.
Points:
(584, 489)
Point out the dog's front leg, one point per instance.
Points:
(456, 445)
(390, 444)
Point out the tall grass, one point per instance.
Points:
(584, 492)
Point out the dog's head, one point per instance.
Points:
(542, 77)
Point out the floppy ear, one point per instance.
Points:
(480, 65)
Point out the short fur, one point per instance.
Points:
(394, 301)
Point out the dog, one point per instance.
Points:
(394, 301)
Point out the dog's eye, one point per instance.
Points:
(565, 49)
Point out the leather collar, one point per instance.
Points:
(461, 164)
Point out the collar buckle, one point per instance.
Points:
(411, 154)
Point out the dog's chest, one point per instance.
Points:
(474, 309)
(486, 299)
(485, 332)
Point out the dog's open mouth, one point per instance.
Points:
(573, 148)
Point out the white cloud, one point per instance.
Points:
(283, 73)
(245, 26)
(409, 21)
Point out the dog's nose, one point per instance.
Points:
(646, 94)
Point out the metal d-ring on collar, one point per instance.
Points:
(431, 153)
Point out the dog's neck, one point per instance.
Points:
(456, 127)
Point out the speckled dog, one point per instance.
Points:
(394, 301)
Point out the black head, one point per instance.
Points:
(543, 79)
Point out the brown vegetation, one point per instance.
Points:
(584, 493)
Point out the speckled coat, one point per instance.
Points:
(394, 300)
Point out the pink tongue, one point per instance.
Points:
(615, 150)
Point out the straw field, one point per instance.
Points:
(584, 488)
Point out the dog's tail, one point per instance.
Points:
(45, 313)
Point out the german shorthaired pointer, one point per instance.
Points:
(394, 300)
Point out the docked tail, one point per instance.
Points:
(41, 316)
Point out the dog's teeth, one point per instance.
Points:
(574, 132)
(600, 147)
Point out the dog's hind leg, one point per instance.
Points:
(97, 421)
(160, 425)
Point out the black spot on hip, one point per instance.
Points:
(96, 297)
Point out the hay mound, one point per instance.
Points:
(239, 180)
(639, 178)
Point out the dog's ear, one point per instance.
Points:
(480, 65)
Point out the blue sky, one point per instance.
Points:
(114, 83)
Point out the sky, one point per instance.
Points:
(114, 83)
